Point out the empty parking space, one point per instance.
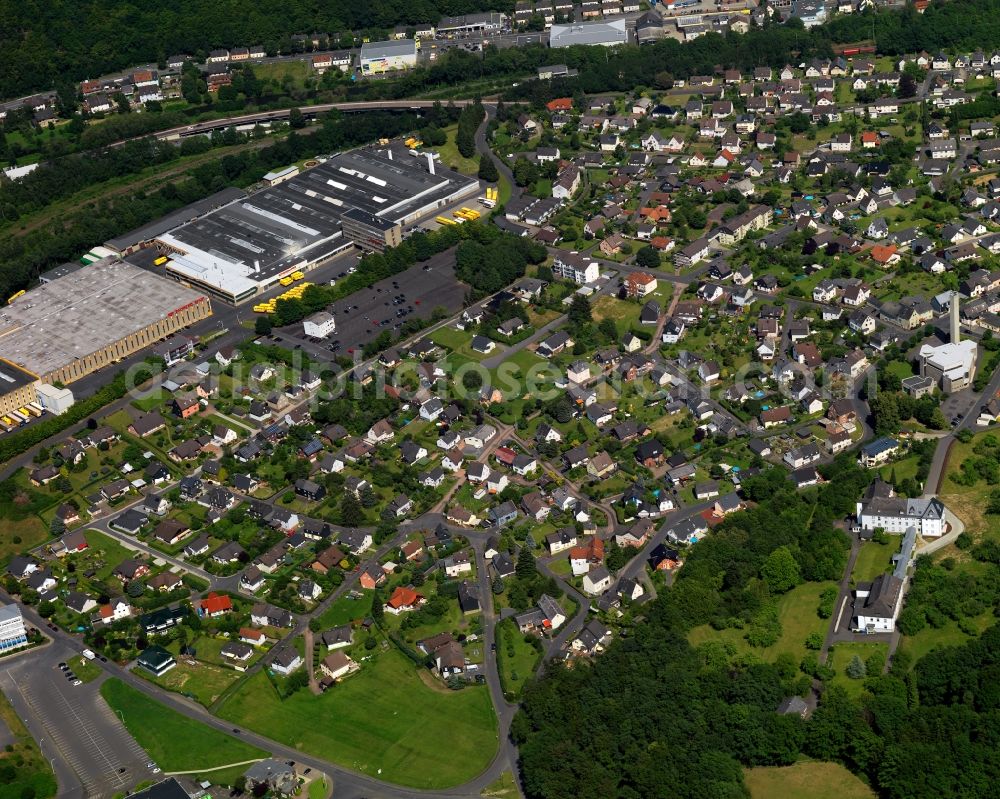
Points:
(81, 726)
(366, 314)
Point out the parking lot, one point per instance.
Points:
(366, 314)
(73, 724)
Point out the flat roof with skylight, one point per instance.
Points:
(248, 245)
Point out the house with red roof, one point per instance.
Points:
(884, 254)
(402, 600)
(248, 635)
(215, 605)
(560, 104)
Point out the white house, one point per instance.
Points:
(880, 507)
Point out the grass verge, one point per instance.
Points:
(174, 741)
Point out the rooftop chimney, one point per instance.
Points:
(953, 308)
(430, 162)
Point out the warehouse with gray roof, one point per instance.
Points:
(606, 32)
(360, 197)
(92, 317)
(387, 56)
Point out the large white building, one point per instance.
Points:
(12, 633)
(876, 604)
(881, 508)
(377, 57)
(953, 365)
(606, 32)
(578, 268)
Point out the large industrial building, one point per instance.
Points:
(90, 318)
(378, 57)
(360, 197)
(607, 33)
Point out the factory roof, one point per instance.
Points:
(606, 32)
(388, 49)
(243, 244)
(178, 217)
(83, 312)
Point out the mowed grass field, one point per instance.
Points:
(797, 611)
(874, 559)
(175, 742)
(841, 654)
(806, 780)
(382, 721)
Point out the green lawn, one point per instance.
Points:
(459, 342)
(874, 559)
(203, 682)
(295, 72)
(797, 612)
(383, 721)
(503, 787)
(152, 400)
(175, 742)
(907, 467)
(450, 156)
(21, 535)
(625, 314)
(931, 638)
(841, 655)
(345, 610)
(83, 668)
(317, 788)
(516, 669)
(511, 377)
(810, 779)
(111, 552)
(967, 502)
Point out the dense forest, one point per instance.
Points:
(654, 716)
(43, 42)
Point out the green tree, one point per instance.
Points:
(781, 571)
(487, 169)
(262, 325)
(351, 513)
(579, 311)
(296, 120)
(856, 669)
(525, 568)
(377, 611)
(647, 257)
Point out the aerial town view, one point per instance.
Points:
(492, 399)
